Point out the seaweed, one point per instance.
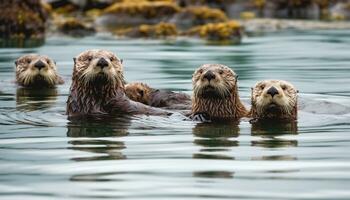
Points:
(145, 9)
(224, 31)
(161, 30)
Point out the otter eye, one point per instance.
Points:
(111, 58)
(89, 58)
(262, 87)
(141, 92)
(221, 71)
(284, 87)
(200, 71)
(28, 61)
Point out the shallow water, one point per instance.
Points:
(45, 156)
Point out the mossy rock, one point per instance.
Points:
(137, 13)
(75, 28)
(66, 9)
(23, 19)
(144, 8)
(340, 12)
(230, 31)
(247, 15)
(198, 15)
(161, 30)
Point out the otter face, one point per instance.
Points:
(139, 92)
(274, 98)
(213, 81)
(98, 67)
(36, 70)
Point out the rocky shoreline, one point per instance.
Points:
(265, 25)
(218, 21)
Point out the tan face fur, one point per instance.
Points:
(93, 65)
(139, 92)
(213, 81)
(36, 70)
(215, 92)
(274, 99)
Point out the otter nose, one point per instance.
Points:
(102, 63)
(39, 65)
(272, 91)
(209, 75)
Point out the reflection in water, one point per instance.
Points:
(213, 174)
(88, 134)
(102, 149)
(268, 132)
(31, 99)
(21, 43)
(214, 138)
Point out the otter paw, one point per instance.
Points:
(202, 117)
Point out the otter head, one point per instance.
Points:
(35, 70)
(274, 99)
(215, 92)
(98, 68)
(139, 92)
(214, 81)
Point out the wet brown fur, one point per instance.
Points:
(101, 91)
(143, 93)
(29, 76)
(139, 92)
(223, 101)
(285, 102)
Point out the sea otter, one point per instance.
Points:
(274, 99)
(215, 93)
(35, 70)
(98, 87)
(143, 93)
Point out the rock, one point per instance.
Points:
(270, 25)
(64, 7)
(230, 31)
(161, 30)
(219, 4)
(59, 3)
(75, 28)
(340, 11)
(137, 13)
(198, 15)
(81, 4)
(22, 20)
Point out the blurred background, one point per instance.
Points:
(214, 20)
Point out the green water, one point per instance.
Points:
(45, 156)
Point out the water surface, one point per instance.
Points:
(45, 156)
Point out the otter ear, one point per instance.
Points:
(16, 62)
(297, 91)
(251, 88)
(121, 61)
(75, 60)
(237, 77)
(54, 61)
